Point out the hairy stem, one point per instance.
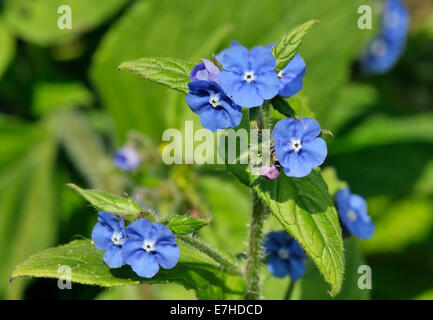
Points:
(254, 254)
(259, 119)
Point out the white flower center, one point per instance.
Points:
(284, 254)
(214, 100)
(296, 145)
(149, 245)
(351, 215)
(117, 239)
(378, 48)
(280, 75)
(249, 76)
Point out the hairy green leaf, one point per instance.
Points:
(171, 72)
(305, 209)
(283, 107)
(125, 207)
(288, 45)
(184, 224)
(194, 270)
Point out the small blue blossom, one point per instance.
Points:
(352, 210)
(109, 235)
(284, 255)
(127, 158)
(297, 146)
(205, 71)
(249, 76)
(216, 110)
(149, 245)
(291, 77)
(395, 20)
(383, 52)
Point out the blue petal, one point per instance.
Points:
(162, 235)
(234, 59)
(270, 46)
(307, 129)
(108, 219)
(284, 130)
(197, 68)
(262, 60)
(290, 87)
(145, 265)
(278, 267)
(267, 84)
(358, 204)
(131, 249)
(298, 165)
(296, 250)
(296, 269)
(139, 229)
(101, 236)
(395, 20)
(113, 256)
(198, 103)
(167, 255)
(315, 151)
(274, 241)
(243, 94)
(295, 68)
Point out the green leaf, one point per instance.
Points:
(181, 225)
(171, 72)
(305, 209)
(194, 270)
(37, 21)
(7, 48)
(283, 107)
(125, 207)
(288, 45)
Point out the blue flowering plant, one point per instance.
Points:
(384, 50)
(259, 90)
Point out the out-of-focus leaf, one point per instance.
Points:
(314, 288)
(7, 44)
(381, 130)
(27, 199)
(52, 96)
(305, 209)
(170, 72)
(399, 224)
(125, 207)
(182, 225)
(288, 45)
(37, 21)
(120, 293)
(194, 270)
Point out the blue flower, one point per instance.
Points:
(149, 245)
(383, 52)
(285, 256)
(205, 71)
(127, 158)
(249, 76)
(395, 20)
(109, 235)
(297, 146)
(291, 77)
(352, 210)
(216, 110)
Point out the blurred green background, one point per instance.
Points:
(64, 109)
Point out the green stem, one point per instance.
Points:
(289, 290)
(223, 261)
(259, 119)
(254, 254)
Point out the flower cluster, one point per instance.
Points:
(385, 49)
(143, 245)
(247, 79)
(352, 210)
(284, 255)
